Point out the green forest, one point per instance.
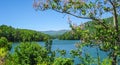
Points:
(70, 35)
(21, 35)
(99, 33)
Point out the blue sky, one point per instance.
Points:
(20, 14)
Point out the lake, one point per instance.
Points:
(69, 45)
(57, 44)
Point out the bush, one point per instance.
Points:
(28, 54)
(63, 61)
(3, 42)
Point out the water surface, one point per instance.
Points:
(70, 45)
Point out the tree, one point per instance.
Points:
(7, 31)
(4, 49)
(21, 35)
(28, 54)
(93, 10)
(63, 61)
(48, 45)
(4, 43)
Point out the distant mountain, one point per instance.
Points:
(52, 33)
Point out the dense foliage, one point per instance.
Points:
(28, 53)
(5, 46)
(100, 34)
(34, 54)
(20, 35)
(104, 36)
(70, 36)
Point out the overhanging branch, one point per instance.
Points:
(92, 18)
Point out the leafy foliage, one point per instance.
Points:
(34, 54)
(107, 61)
(5, 46)
(70, 36)
(28, 53)
(20, 35)
(105, 36)
(4, 43)
(63, 61)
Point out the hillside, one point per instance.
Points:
(20, 35)
(89, 25)
(54, 33)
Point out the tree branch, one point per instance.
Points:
(115, 15)
(72, 14)
(92, 18)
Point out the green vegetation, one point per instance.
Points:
(103, 34)
(21, 35)
(28, 53)
(5, 46)
(10, 34)
(34, 54)
(100, 34)
(70, 36)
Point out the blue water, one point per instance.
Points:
(69, 45)
(57, 44)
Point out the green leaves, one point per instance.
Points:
(107, 9)
(54, 5)
(21, 35)
(107, 61)
(3, 42)
(29, 53)
(83, 12)
(63, 61)
(75, 53)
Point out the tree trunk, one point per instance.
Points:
(114, 59)
(115, 20)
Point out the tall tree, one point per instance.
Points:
(93, 10)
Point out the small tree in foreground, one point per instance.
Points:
(5, 46)
(104, 35)
(28, 54)
(33, 54)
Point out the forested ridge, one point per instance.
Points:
(70, 35)
(20, 35)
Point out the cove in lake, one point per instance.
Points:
(70, 45)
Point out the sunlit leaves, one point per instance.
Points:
(21, 35)
(91, 9)
(83, 12)
(103, 34)
(75, 53)
(63, 61)
(97, 35)
(107, 61)
(54, 5)
(29, 53)
(3, 42)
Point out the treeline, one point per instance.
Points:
(21, 35)
(70, 36)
